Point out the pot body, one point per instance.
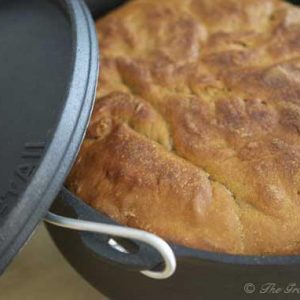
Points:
(99, 8)
(196, 278)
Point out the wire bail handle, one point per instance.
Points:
(129, 233)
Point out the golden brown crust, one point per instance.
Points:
(195, 133)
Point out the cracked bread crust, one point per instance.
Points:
(195, 132)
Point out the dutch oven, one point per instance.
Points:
(49, 72)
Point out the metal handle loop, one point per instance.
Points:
(129, 233)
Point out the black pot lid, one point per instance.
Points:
(48, 75)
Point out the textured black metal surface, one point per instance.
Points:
(296, 2)
(48, 59)
(35, 58)
(101, 7)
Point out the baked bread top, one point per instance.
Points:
(195, 135)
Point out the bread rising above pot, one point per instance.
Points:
(195, 132)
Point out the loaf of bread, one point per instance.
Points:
(195, 135)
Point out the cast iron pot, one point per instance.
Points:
(113, 265)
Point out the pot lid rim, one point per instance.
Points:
(66, 141)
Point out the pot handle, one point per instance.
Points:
(109, 248)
